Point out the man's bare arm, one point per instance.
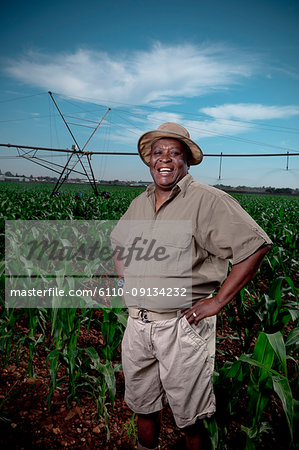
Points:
(238, 277)
(119, 264)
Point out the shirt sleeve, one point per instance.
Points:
(231, 232)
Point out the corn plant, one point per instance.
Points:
(268, 373)
(102, 385)
(65, 326)
(279, 306)
(269, 312)
(112, 327)
(131, 429)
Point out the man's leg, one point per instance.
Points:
(197, 437)
(148, 429)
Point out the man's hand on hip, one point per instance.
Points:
(202, 308)
(238, 277)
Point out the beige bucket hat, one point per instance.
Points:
(168, 130)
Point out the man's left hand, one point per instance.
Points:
(238, 277)
(202, 308)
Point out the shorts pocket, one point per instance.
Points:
(202, 339)
(201, 331)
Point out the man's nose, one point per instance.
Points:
(165, 157)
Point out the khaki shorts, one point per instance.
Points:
(170, 361)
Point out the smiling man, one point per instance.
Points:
(168, 348)
(168, 165)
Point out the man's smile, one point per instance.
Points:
(164, 169)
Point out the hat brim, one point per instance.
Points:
(146, 140)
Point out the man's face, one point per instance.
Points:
(168, 163)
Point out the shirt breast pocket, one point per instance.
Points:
(177, 255)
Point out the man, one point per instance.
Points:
(168, 352)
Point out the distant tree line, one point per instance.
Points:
(258, 190)
(227, 188)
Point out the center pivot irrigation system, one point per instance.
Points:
(78, 155)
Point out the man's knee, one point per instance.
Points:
(148, 430)
(197, 436)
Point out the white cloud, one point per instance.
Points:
(225, 120)
(213, 128)
(233, 119)
(162, 74)
(198, 129)
(250, 111)
(230, 121)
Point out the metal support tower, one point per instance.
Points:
(78, 155)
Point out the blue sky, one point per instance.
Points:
(227, 71)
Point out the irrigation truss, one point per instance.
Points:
(79, 160)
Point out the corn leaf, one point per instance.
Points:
(277, 343)
(282, 388)
(293, 337)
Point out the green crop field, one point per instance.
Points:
(256, 373)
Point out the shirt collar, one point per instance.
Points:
(181, 186)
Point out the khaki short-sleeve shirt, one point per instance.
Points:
(221, 229)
